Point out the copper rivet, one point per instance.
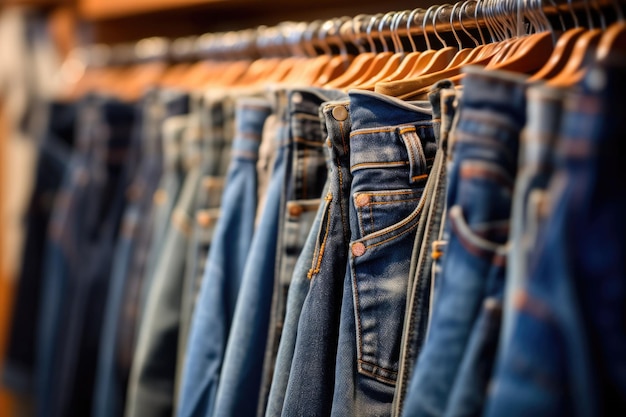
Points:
(203, 218)
(362, 200)
(358, 249)
(295, 210)
(340, 113)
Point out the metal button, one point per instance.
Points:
(358, 249)
(340, 113)
(362, 200)
(203, 218)
(295, 210)
(296, 98)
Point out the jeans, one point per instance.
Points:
(243, 359)
(111, 382)
(153, 373)
(392, 147)
(215, 148)
(535, 169)
(300, 198)
(566, 352)
(420, 274)
(82, 233)
(54, 153)
(164, 124)
(480, 186)
(311, 377)
(213, 314)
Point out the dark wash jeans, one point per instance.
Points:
(82, 233)
(392, 147)
(54, 151)
(480, 186)
(568, 344)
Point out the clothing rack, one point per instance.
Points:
(487, 19)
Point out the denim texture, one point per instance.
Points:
(243, 358)
(153, 374)
(54, 152)
(214, 148)
(312, 367)
(566, 352)
(213, 314)
(420, 274)
(83, 229)
(537, 145)
(111, 382)
(164, 104)
(480, 187)
(305, 179)
(392, 148)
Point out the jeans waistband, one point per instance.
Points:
(390, 133)
(250, 115)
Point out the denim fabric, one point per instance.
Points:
(153, 374)
(54, 152)
(82, 233)
(311, 377)
(392, 148)
(213, 314)
(305, 179)
(214, 146)
(298, 289)
(566, 352)
(111, 382)
(243, 358)
(160, 117)
(480, 186)
(419, 285)
(535, 168)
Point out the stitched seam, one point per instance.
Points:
(376, 366)
(343, 141)
(392, 202)
(376, 164)
(419, 177)
(388, 193)
(409, 148)
(322, 248)
(395, 236)
(399, 225)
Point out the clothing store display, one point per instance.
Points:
(320, 228)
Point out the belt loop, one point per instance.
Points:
(418, 168)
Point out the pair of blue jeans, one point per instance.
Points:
(567, 347)
(112, 373)
(53, 154)
(392, 148)
(311, 374)
(82, 233)
(245, 350)
(454, 366)
(431, 220)
(305, 180)
(214, 310)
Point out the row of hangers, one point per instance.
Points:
(392, 53)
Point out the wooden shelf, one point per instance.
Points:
(111, 9)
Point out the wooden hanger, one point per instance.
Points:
(339, 63)
(361, 62)
(369, 80)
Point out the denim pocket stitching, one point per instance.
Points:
(320, 247)
(474, 243)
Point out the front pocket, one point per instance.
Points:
(380, 264)
(377, 210)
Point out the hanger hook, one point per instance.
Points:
(456, 35)
(435, 19)
(600, 14)
(355, 30)
(395, 31)
(478, 25)
(428, 11)
(339, 22)
(462, 11)
(373, 20)
(381, 28)
(409, 21)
